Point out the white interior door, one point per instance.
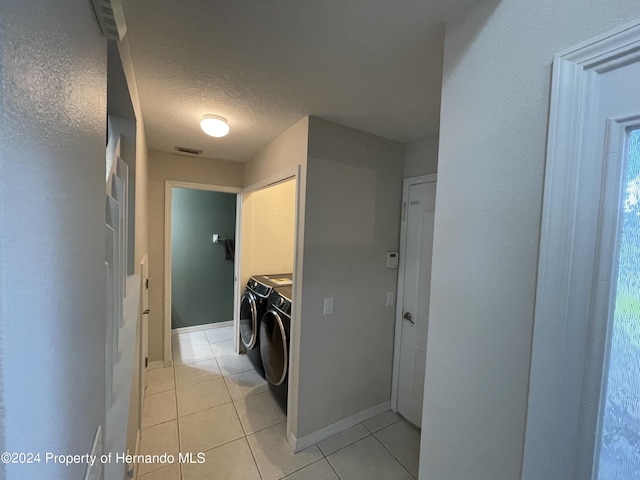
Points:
(414, 285)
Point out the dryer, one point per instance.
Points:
(275, 329)
(253, 306)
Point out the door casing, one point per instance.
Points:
(169, 185)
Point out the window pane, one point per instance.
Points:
(620, 446)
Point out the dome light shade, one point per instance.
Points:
(214, 125)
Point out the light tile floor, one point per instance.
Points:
(213, 401)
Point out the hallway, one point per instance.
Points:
(212, 401)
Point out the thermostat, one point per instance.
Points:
(392, 260)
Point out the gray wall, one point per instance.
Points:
(52, 276)
(201, 277)
(421, 157)
(495, 107)
(353, 197)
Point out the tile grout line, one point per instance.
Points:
(233, 402)
(246, 439)
(391, 453)
(326, 457)
(162, 423)
(255, 462)
(370, 434)
(332, 468)
(175, 390)
(302, 468)
(382, 428)
(344, 446)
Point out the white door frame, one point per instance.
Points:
(566, 322)
(408, 182)
(168, 189)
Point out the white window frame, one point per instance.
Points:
(569, 337)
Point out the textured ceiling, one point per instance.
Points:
(374, 65)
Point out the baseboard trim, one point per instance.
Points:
(340, 426)
(155, 365)
(199, 328)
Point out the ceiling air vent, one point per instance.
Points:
(110, 15)
(192, 151)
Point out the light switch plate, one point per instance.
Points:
(392, 260)
(389, 299)
(328, 306)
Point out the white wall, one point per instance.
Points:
(52, 276)
(268, 230)
(167, 166)
(421, 157)
(493, 129)
(354, 188)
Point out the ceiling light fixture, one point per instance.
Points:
(214, 125)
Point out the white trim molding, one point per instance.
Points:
(157, 365)
(285, 175)
(201, 328)
(340, 426)
(568, 351)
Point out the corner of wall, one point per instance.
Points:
(421, 156)
(353, 200)
(286, 151)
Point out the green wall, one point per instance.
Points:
(201, 277)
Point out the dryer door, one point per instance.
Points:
(273, 347)
(249, 320)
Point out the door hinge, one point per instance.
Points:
(146, 362)
(404, 211)
(146, 283)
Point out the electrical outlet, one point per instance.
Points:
(389, 299)
(328, 306)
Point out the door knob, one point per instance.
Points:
(407, 316)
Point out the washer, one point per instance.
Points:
(275, 329)
(253, 306)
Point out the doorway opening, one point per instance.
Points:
(202, 257)
(201, 270)
(269, 225)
